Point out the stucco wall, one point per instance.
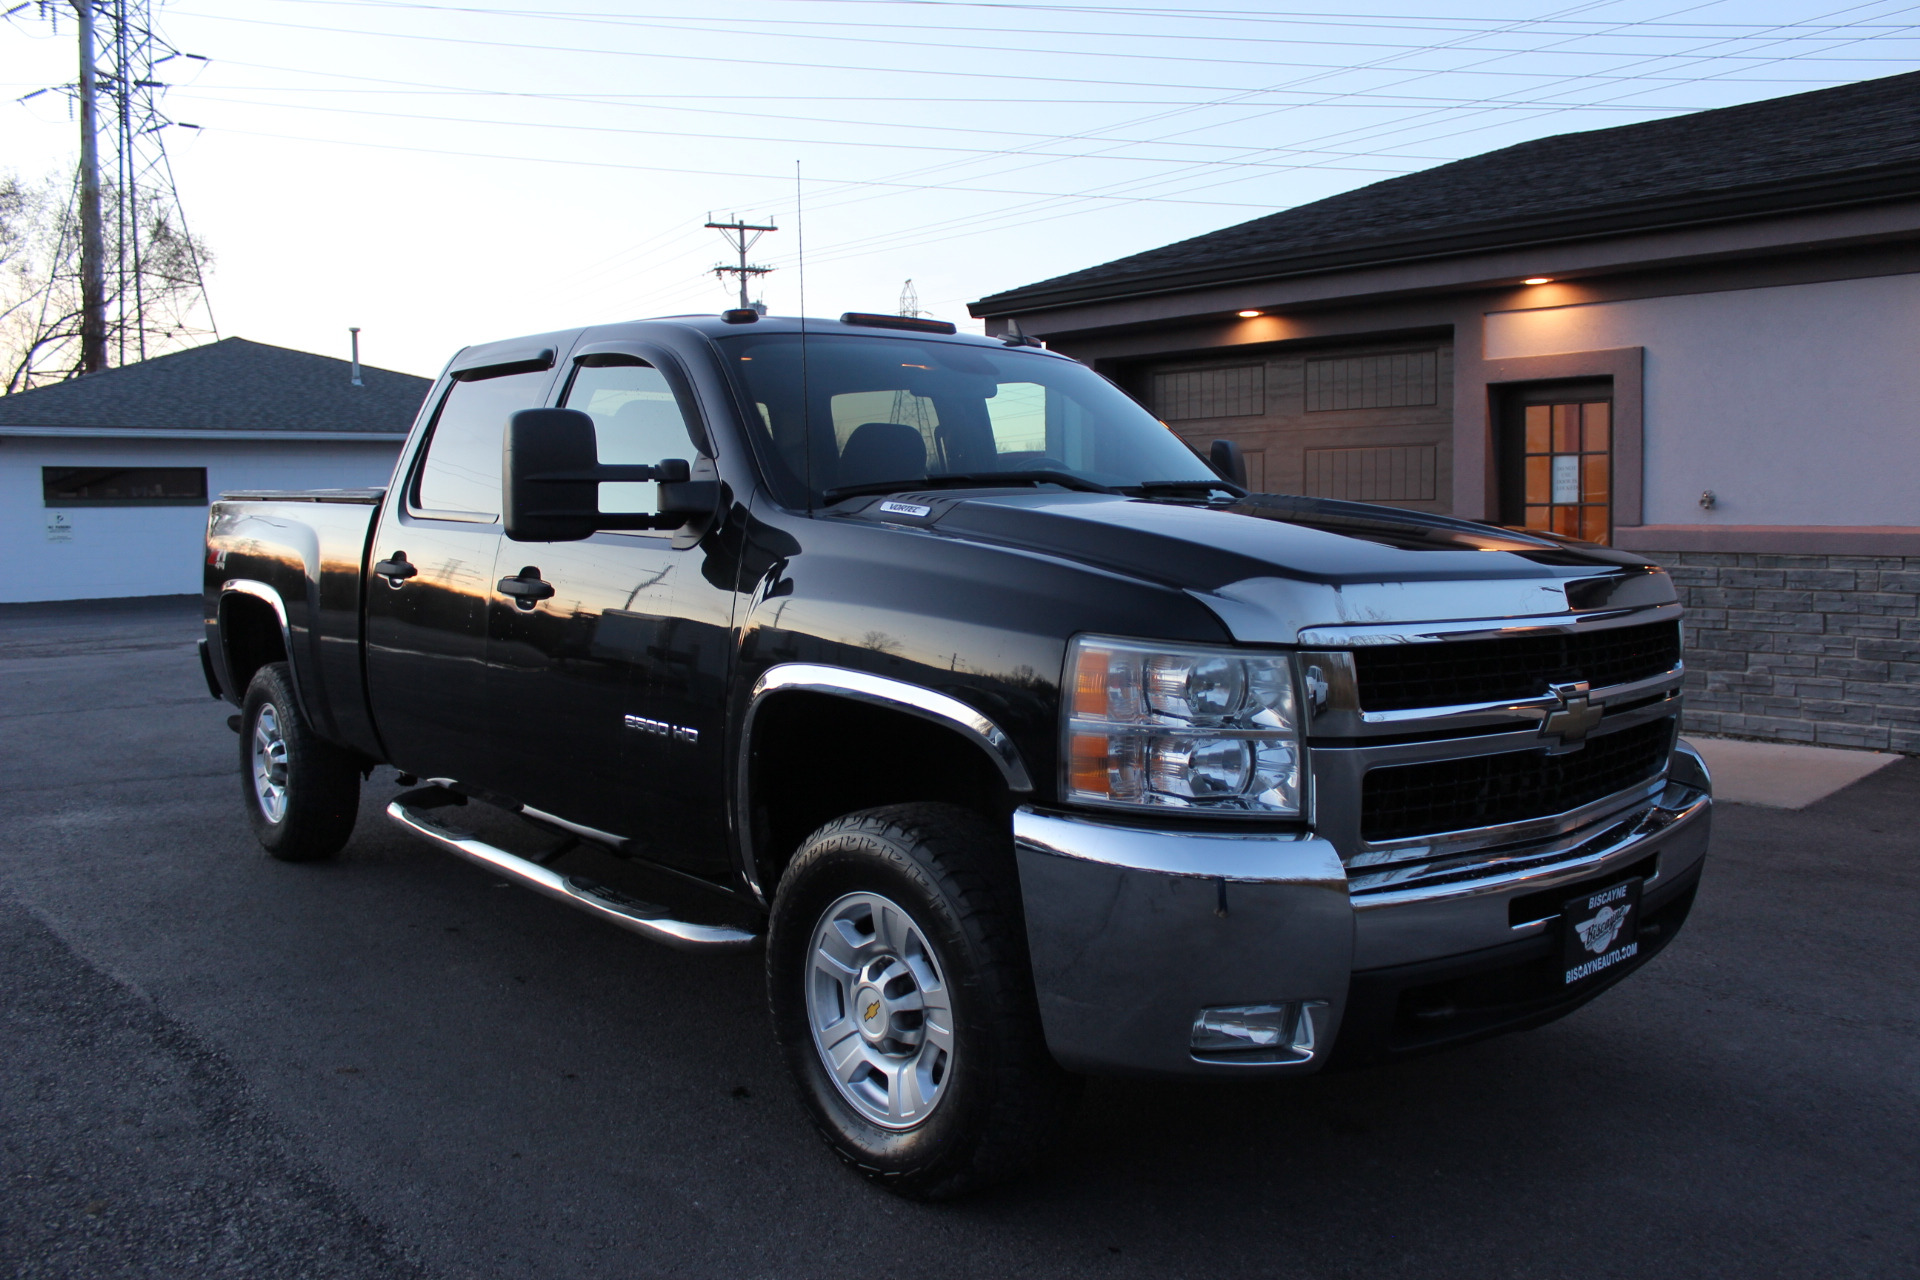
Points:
(144, 551)
(1796, 404)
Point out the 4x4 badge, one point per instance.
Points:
(1570, 722)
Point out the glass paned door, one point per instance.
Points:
(1568, 469)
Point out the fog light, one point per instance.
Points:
(1258, 1032)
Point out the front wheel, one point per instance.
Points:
(302, 792)
(901, 993)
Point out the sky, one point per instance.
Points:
(443, 174)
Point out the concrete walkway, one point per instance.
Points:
(1783, 775)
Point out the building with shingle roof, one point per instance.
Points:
(1691, 338)
(105, 479)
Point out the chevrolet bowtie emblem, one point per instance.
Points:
(1570, 722)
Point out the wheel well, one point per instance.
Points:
(250, 634)
(815, 757)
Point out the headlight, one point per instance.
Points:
(1190, 728)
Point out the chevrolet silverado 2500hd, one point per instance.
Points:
(1026, 742)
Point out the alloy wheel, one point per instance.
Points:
(270, 763)
(879, 1010)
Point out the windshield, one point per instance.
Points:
(900, 413)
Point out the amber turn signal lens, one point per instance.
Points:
(1088, 765)
(1090, 683)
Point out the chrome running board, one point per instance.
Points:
(643, 918)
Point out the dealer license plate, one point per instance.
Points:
(1601, 929)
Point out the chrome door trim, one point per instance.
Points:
(585, 832)
(1481, 628)
(880, 691)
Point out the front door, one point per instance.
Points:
(1556, 459)
(433, 575)
(608, 695)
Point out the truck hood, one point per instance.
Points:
(1273, 567)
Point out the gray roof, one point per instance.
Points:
(230, 385)
(1850, 144)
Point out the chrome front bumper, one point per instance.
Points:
(1134, 930)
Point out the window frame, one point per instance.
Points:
(1511, 451)
(416, 467)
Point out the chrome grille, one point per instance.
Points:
(1398, 801)
(1476, 780)
(1402, 676)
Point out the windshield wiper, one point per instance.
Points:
(967, 480)
(1184, 486)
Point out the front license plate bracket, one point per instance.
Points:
(1599, 930)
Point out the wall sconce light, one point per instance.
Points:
(1250, 315)
(1708, 500)
(1538, 280)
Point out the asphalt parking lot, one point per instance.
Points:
(391, 1065)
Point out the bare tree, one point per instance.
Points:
(153, 281)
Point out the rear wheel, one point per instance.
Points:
(302, 792)
(898, 976)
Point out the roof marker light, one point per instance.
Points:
(1538, 280)
(1250, 315)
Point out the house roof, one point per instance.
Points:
(233, 385)
(1850, 144)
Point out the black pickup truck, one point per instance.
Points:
(1027, 742)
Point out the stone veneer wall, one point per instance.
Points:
(1817, 648)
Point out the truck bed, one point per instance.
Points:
(300, 553)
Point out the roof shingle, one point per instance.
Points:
(230, 385)
(1798, 149)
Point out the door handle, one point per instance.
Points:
(396, 570)
(527, 588)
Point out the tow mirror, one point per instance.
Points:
(551, 478)
(1229, 463)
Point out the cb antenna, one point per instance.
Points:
(740, 237)
(806, 399)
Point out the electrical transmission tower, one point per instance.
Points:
(736, 235)
(125, 279)
(910, 301)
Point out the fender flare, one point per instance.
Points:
(880, 691)
(262, 591)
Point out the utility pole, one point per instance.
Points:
(735, 234)
(93, 269)
(138, 274)
(909, 300)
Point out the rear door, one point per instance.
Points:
(608, 695)
(433, 574)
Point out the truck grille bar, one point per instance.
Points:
(1403, 676)
(1398, 801)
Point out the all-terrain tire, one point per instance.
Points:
(302, 793)
(1003, 1099)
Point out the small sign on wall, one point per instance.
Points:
(59, 528)
(1566, 477)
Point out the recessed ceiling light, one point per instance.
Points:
(1538, 280)
(1248, 315)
